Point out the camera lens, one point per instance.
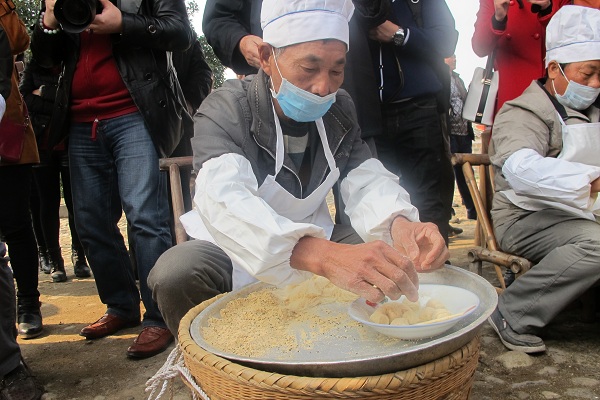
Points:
(77, 12)
(76, 15)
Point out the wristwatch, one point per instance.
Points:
(398, 37)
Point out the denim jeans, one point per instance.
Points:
(118, 171)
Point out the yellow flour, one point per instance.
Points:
(288, 319)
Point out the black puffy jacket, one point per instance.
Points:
(142, 54)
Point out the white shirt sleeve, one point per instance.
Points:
(373, 198)
(244, 226)
(2, 107)
(566, 182)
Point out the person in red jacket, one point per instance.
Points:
(517, 34)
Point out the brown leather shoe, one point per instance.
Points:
(107, 325)
(151, 341)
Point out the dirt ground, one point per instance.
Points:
(71, 367)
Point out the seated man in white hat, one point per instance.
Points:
(545, 150)
(268, 150)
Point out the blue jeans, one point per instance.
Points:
(114, 172)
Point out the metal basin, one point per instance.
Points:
(358, 355)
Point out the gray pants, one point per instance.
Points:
(192, 272)
(567, 252)
(10, 354)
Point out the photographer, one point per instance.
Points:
(123, 109)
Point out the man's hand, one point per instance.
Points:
(421, 243)
(372, 270)
(110, 20)
(384, 32)
(249, 48)
(501, 9)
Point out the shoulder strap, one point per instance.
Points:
(415, 8)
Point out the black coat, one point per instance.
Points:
(195, 79)
(142, 54)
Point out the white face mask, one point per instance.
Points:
(576, 96)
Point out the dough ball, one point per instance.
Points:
(441, 313)
(394, 310)
(415, 306)
(433, 303)
(412, 317)
(379, 317)
(426, 314)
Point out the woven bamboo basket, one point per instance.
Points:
(448, 378)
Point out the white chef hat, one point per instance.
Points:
(573, 35)
(287, 22)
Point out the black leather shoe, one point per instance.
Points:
(30, 325)
(58, 265)
(19, 384)
(43, 260)
(80, 266)
(29, 317)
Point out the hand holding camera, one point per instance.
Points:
(75, 16)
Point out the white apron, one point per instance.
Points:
(581, 143)
(312, 209)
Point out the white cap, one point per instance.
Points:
(573, 35)
(287, 22)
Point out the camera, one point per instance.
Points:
(75, 16)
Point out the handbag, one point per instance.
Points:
(481, 96)
(12, 138)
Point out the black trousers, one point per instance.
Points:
(413, 147)
(16, 229)
(463, 144)
(45, 200)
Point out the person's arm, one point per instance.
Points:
(436, 39)
(529, 173)
(489, 26)
(227, 27)
(167, 28)
(38, 102)
(521, 143)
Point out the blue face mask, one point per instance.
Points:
(298, 104)
(576, 96)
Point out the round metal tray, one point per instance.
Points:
(360, 355)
